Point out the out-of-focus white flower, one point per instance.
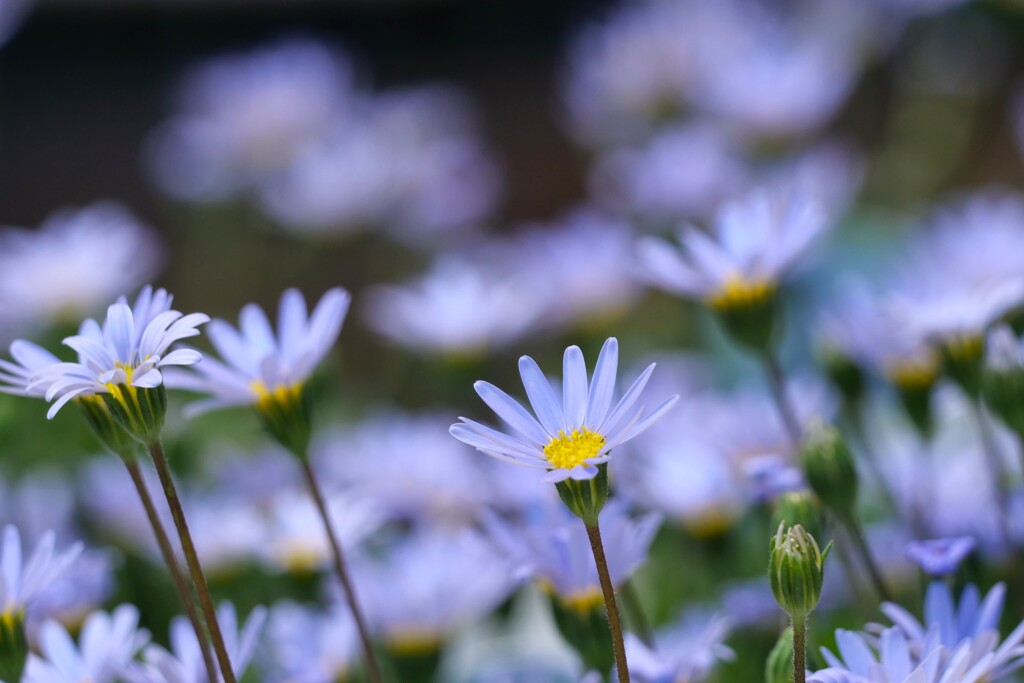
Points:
(76, 262)
(685, 651)
(409, 162)
(246, 115)
(456, 309)
(23, 581)
(551, 546)
(183, 663)
(457, 579)
(829, 173)
(438, 479)
(755, 243)
(77, 592)
(940, 556)
(261, 367)
(106, 646)
(306, 646)
(684, 171)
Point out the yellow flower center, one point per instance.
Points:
(413, 641)
(280, 396)
(568, 451)
(913, 375)
(967, 348)
(585, 601)
(737, 292)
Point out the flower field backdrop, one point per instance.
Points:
(442, 341)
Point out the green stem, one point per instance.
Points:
(993, 459)
(372, 668)
(861, 543)
(799, 650)
(777, 384)
(184, 592)
(614, 624)
(163, 470)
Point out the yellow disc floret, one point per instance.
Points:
(738, 292)
(568, 451)
(280, 396)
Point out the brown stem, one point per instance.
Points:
(156, 450)
(184, 592)
(372, 668)
(614, 625)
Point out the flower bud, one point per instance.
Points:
(779, 666)
(13, 645)
(796, 570)
(586, 499)
(829, 468)
(139, 411)
(798, 507)
(844, 374)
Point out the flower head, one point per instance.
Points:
(307, 646)
(940, 556)
(687, 650)
(569, 437)
(21, 582)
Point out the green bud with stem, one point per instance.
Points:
(830, 470)
(796, 570)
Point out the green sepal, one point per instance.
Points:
(13, 646)
(586, 498)
(140, 412)
(286, 415)
(107, 429)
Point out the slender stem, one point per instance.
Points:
(861, 543)
(995, 467)
(633, 608)
(777, 383)
(614, 625)
(184, 591)
(799, 651)
(156, 450)
(373, 669)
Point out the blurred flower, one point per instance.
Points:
(755, 242)
(684, 171)
(457, 308)
(246, 115)
(307, 646)
(552, 547)
(106, 646)
(183, 663)
(830, 173)
(571, 437)
(457, 579)
(74, 263)
(407, 161)
(23, 582)
(941, 556)
(39, 502)
(262, 368)
(897, 661)
(687, 650)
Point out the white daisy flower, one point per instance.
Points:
(124, 354)
(687, 650)
(307, 646)
(108, 642)
(49, 275)
(755, 242)
(260, 366)
(21, 582)
(183, 663)
(569, 437)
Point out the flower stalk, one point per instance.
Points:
(614, 623)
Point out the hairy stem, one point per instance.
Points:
(799, 651)
(156, 450)
(614, 624)
(372, 668)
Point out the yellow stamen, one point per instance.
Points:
(737, 292)
(566, 452)
(584, 602)
(412, 641)
(281, 395)
(911, 375)
(967, 348)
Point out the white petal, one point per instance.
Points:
(574, 388)
(541, 396)
(602, 387)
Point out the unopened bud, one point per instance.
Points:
(829, 468)
(796, 570)
(779, 666)
(798, 507)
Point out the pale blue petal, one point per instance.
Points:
(602, 388)
(574, 388)
(541, 396)
(509, 410)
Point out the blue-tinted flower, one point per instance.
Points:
(183, 663)
(22, 581)
(307, 646)
(941, 556)
(457, 308)
(685, 651)
(754, 245)
(457, 578)
(124, 354)
(571, 436)
(106, 645)
(246, 115)
(552, 547)
(896, 660)
(259, 366)
(50, 275)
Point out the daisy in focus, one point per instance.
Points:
(571, 436)
(268, 370)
